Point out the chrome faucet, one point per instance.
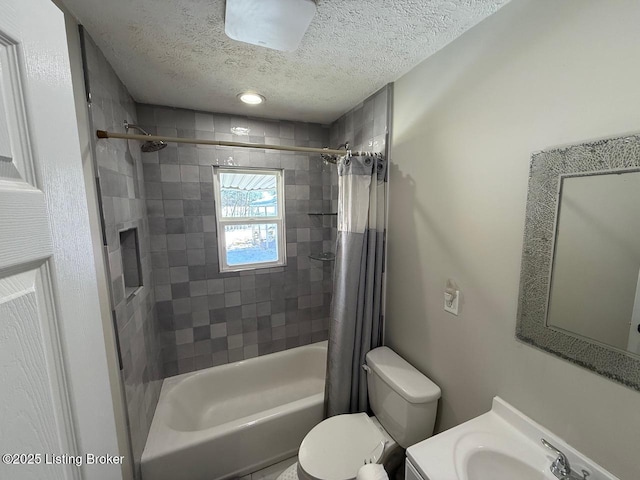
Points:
(561, 467)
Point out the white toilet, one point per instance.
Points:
(404, 402)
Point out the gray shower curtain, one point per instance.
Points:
(356, 314)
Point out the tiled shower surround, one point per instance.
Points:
(365, 126)
(123, 207)
(209, 318)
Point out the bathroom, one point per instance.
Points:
(132, 332)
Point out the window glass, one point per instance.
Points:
(250, 217)
(248, 195)
(251, 243)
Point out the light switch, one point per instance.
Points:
(451, 301)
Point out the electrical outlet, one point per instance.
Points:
(451, 304)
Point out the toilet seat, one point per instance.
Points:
(336, 448)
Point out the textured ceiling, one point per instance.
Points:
(175, 52)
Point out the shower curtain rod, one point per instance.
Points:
(221, 143)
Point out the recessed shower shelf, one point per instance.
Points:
(323, 257)
(322, 214)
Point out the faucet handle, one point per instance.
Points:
(560, 467)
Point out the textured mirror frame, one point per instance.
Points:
(545, 179)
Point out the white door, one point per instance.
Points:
(54, 391)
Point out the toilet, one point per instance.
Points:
(404, 403)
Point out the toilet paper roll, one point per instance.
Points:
(372, 471)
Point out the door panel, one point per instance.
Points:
(33, 404)
(14, 140)
(50, 323)
(28, 411)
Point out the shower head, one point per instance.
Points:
(152, 146)
(149, 146)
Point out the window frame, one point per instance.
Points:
(221, 222)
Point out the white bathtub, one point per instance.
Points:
(234, 419)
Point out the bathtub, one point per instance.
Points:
(235, 419)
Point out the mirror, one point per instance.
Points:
(580, 281)
(595, 278)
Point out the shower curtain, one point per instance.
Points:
(356, 314)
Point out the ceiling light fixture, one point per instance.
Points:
(251, 98)
(277, 25)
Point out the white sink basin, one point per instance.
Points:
(483, 455)
(492, 465)
(502, 444)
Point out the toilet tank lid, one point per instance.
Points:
(403, 377)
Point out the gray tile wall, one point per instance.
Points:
(209, 318)
(123, 203)
(365, 126)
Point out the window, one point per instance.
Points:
(250, 218)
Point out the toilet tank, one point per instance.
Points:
(402, 399)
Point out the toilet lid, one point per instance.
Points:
(336, 448)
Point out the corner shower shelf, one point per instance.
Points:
(323, 257)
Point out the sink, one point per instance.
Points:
(492, 455)
(502, 444)
(492, 465)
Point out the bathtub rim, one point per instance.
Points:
(163, 440)
(172, 381)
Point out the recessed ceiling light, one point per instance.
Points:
(251, 98)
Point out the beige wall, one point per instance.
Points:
(539, 73)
